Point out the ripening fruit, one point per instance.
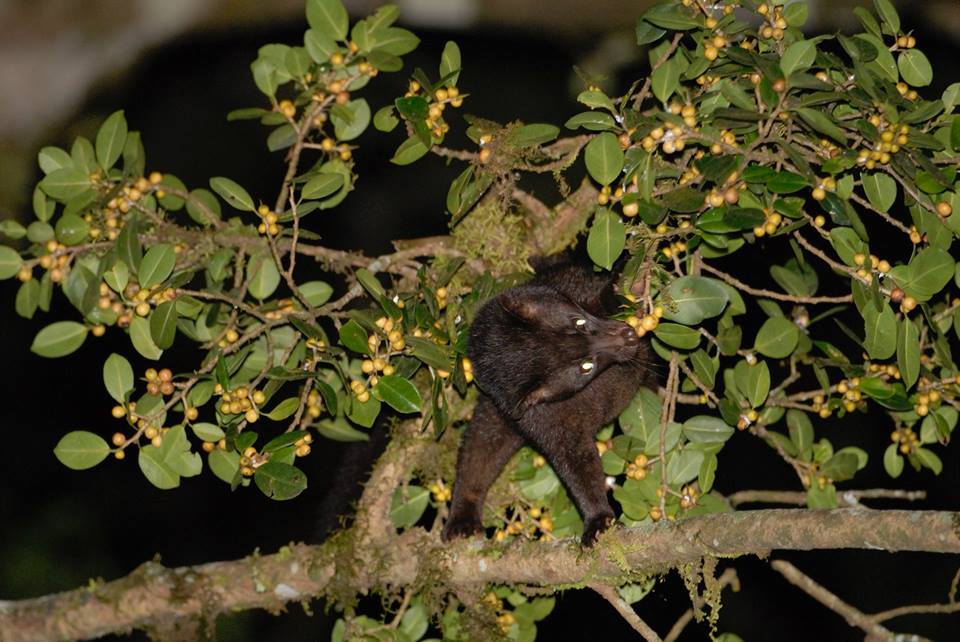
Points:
(118, 412)
(944, 209)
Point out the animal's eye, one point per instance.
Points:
(579, 322)
(586, 366)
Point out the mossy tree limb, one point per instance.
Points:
(301, 572)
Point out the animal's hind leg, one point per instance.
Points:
(488, 442)
(574, 458)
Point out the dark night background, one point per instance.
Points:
(61, 527)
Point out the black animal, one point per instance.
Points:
(553, 369)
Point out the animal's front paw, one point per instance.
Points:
(593, 528)
(461, 526)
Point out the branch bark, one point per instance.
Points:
(299, 572)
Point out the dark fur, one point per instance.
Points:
(528, 353)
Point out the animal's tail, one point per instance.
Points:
(346, 485)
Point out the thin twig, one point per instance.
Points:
(770, 294)
(853, 616)
(610, 594)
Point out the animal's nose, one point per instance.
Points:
(628, 335)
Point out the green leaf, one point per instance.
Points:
(329, 17)
(157, 265)
(71, 229)
(704, 367)
(385, 120)
(163, 324)
(647, 33)
(282, 137)
(350, 120)
(691, 299)
(892, 461)
(28, 298)
(704, 429)
(10, 262)
(13, 230)
(929, 271)
(606, 239)
(364, 414)
(321, 185)
(51, 159)
(280, 481)
(641, 418)
(799, 56)
(670, 16)
(822, 498)
(65, 184)
(340, 430)
(224, 464)
(265, 277)
(757, 383)
(59, 339)
(409, 151)
(684, 466)
(880, 330)
(604, 158)
(889, 16)
(430, 353)
(319, 45)
(929, 459)
(110, 139)
(777, 338)
(232, 193)
(847, 244)
(535, 134)
(117, 377)
(142, 340)
(450, 63)
(284, 409)
(128, 245)
(398, 393)
(841, 467)
(666, 78)
(396, 41)
(414, 622)
(801, 432)
(408, 505)
(81, 450)
(881, 190)
(822, 123)
(795, 14)
(592, 120)
(354, 337)
(915, 67)
(207, 431)
(316, 292)
(678, 336)
(908, 352)
(784, 182)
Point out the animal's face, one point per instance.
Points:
(547, 347)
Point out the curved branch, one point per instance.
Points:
(300, 572)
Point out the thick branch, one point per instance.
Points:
(301, 572)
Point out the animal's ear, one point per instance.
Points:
(521, 305)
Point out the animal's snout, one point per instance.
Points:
(628, 335)
(616, 339)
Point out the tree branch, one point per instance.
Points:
(299, 572)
